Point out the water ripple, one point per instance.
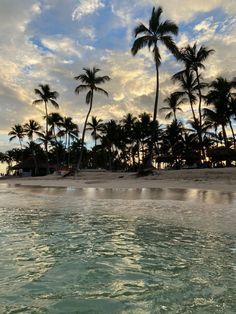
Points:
(114, 256)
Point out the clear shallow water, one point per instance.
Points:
(93, 251)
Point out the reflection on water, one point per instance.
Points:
(193, 195)
(66, 254)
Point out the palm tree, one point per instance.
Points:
(9, 158)
(190, 87)
(69, 130)
(221, 96)
(46, 96)
(54, 119)
(89, 81)
(173, 140)
(32, 127)
(150, 37)
(193, 59)
(95, 126)
(173, 103)
(17, 131)
(188, 84)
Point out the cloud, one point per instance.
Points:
(86, 7)
(32, 54)
(88, 32)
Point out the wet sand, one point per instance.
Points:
(223, 179)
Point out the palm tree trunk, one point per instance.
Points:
(157, 93)
(149, 159)
(200, 114)
(191, 105)
(84, 130)
(225, 136)
(68, 159)
(232, 131)
(46, 143)
(200, 99)
(175, 116)
(198, 131)
(95, 138)
(57, 153)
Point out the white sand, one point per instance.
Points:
(205, 179)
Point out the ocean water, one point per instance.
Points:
(117, 251)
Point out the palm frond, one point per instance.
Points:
(155, 19)
(101, 79)
(37, 101)
(169, 115)
(54, 103)
(140, 43)
(141, 28)
(83, 78)
(12, 137)
(89, 97)
(38, 92)
(81, 88)
(170, 44)
(101, 90)
(168, 27)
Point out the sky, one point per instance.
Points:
(50, 41)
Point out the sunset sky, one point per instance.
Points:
(50, 41)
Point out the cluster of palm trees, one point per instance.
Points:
(135, 142)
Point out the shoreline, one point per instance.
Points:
(222, 179)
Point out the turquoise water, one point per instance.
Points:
(117, 251)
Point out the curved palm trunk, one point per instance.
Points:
(157, 94)
(46, 143)
(84, 130)
(200, 115)
(200, 99)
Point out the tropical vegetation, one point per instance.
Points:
(200, 119)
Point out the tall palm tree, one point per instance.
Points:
(17, 131)
(173, 103)
(46, 96)
(190, 87)
(156, 32)
(89, 81)
(95, 126)
(32, 127)
(193, 58)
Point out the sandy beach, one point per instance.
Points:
(223, 179)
